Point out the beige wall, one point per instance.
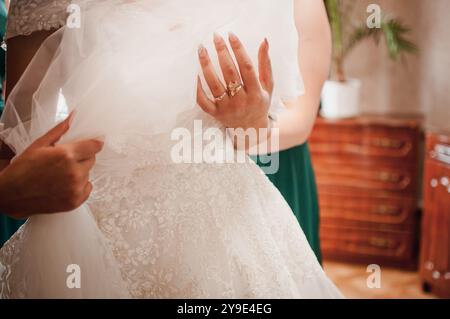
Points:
(415, 84)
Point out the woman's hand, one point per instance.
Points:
(244, 101)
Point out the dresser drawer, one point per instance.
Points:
(367, 177)
(350, 178)
(362, 244)
(382, 212)
(355, 141)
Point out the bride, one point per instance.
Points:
(127, 72)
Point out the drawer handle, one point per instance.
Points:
(440, 157)
(388, 143)
(385, 210)
(380, 242)
(441, 153)
(434, 183)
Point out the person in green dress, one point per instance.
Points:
(295, 177)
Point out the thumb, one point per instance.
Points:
(265, 67)
(55, 134)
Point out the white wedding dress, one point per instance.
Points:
(152, 228)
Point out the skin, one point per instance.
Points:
(296, 123)
(248, 109)
(46, 178)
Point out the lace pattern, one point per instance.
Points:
(28, 16)
(178, 230)
(8, 259)
(173, 230)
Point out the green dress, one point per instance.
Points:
(296, 182)
(8, 226)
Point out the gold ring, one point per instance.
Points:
(220, 98)
(234, 88)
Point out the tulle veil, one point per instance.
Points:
(128, 69)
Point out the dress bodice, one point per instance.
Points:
(28, 16)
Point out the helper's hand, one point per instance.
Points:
(48, 178)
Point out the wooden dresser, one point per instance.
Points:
(367, 176)
(435, 239)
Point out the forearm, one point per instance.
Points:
(296, 122)
(292, 128)
(294, 125)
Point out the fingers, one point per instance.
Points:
(229, 69)
(87, 190)
(85, 150)
(246, 68)
(88, 164)
(80, 187)
(265, 68)
(215, 85)
(205, 103)
(85, 194)
(55, 134)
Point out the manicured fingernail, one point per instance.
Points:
(217, 38)
(71, 117)
(266, 42)
(101, 139)
(233, 37)
(201, 51)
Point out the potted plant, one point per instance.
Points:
(340, 95)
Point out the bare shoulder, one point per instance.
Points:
(30, 22)
(21, 49)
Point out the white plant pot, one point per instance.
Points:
(340, 99)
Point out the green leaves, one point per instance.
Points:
(396, 42)
(334, 15)
(394, 33)
(345, 40)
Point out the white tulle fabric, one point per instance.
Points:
(153, 228)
